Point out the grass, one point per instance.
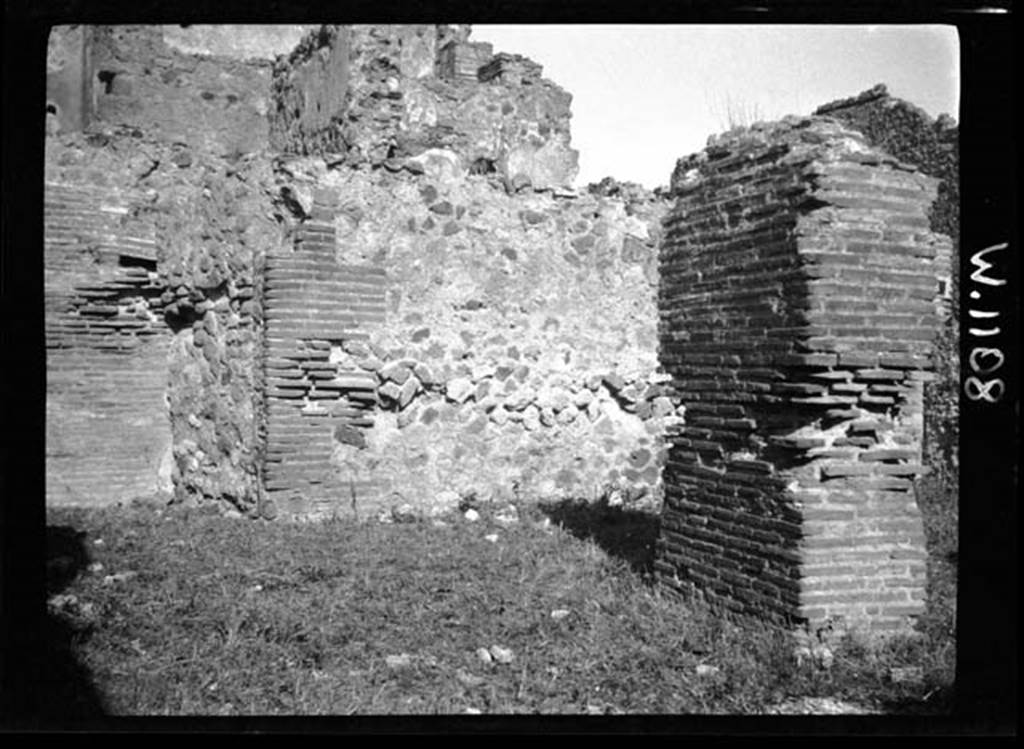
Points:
(217, 616)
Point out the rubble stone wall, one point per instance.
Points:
(212, 103)
(310, 94)
(355, 279)
(800, 293)
(393, 95)
(215, 225)
(175, 231)
(517, 354)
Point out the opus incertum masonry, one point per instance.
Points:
(326, 271)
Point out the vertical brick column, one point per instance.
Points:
(798, 300)
(313, 306)
(108, 436)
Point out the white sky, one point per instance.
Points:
(645, 95)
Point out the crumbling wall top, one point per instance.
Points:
(804, 138)
(427, 93)
(879, 95)
(912, 135)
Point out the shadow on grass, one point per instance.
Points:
(940, 702)
(625, 534)
(54, 688)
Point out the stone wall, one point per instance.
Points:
(493, 374)
(210, 103)
(517, 353)
(176, 218)
(356, 281)
(240, 42)
(392, 94)
(310, 93)
(68, 79)
(215, 223)
(800, 294)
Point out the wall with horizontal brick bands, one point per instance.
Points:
(911, 135)
(87, 228)
(108, 437)
(316, 410)
(799, 296)
(151, 255)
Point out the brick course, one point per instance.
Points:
(775, 252)
(314, 408)
(419, 311)
(106, 349)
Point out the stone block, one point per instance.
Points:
(613, 382)
(409, 389)
(547, 416)
(583, 398)
(460, 389)
(425, 374)
(549, 166)
(520, 399)
(350, 436)
(390, 392)
(531, 418)
(395, 372)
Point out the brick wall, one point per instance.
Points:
(799, 296)
(146, 246)
(460, 61)
(511, 352)
(909, 134)
(108, 437)
(316, 409)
